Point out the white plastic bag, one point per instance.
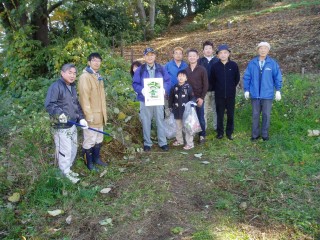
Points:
(170, 126)
(190, 121)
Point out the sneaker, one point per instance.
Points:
(146, 148)
(188, 147)
(73, 174)
(72, 179)
(176, 143)
(165, 148)
(202, 139)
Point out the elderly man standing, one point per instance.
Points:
(62, 105)
(151, 69)
(261, 78)
(93, 102)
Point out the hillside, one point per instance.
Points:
(294, 35)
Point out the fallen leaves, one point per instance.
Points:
(56, 212)
(15, 197)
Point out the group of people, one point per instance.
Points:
(66, 111)
(210, 82)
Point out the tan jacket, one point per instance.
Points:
(92, 99)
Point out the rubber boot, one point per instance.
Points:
(96, 155)
(88, 159)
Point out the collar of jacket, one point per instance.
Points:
(89, 70)
(62, 80)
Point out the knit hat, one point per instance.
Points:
(264, 44)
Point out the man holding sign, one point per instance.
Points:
(151, 82)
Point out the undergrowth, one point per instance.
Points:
(248, 188)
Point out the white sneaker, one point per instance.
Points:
(71, 178)
(73, 174)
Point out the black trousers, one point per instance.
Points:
(223, 104)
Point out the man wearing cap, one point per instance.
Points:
(261, 78)
(151, 69)
(207, 61)
(225, 77)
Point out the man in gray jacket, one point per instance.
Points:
(62, 105)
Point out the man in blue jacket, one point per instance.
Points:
(225, 77)
(175, 65)
(261, 78)
(151, 69)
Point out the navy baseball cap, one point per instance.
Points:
(149, 50)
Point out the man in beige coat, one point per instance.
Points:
(93, 102)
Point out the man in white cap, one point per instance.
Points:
(261, 78)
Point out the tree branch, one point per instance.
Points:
(54, 6)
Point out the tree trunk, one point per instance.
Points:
(142, 13)
(39, 19)
(152, 15)
(9, 22)
(189, 7)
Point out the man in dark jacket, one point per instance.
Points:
(207, 61)
(151, 69)
(62, 105)
(225, 77)
(198, 79)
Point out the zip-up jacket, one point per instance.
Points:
(60, 100)
(173, 70)
(208, 65)
(179, 96)
(262, 83)
(138, 79)
(225, 78)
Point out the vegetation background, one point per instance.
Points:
(223, 190)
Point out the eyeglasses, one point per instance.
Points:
(96, 60)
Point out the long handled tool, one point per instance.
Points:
(79, 125)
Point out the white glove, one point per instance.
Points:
(278, 96)
(63, 118)
(246, 95)
(164, 91)
(84, 123)
(143, 91)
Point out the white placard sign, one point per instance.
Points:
(153, 91)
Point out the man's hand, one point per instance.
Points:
(278, 96)
(143, 91)
(63, 118)
(246, 95)
(199, 102)
(84, 123)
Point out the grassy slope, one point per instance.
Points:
(278, 180)
(153, 198)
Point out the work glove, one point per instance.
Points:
(246, 95)
(84, 123)
(63, 118)
(143, 91)
(278, 96)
